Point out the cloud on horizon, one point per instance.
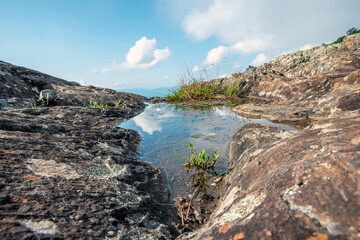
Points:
(142, 55)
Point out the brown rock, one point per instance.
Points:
(312, 191)
(310, 84)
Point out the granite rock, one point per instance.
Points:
(67, 171)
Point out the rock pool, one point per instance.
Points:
(167, 129)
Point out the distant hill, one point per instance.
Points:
(156, 92)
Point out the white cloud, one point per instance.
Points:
(120, 84)
(147, 125)
(251, 45)
(82, 82)
(223, 112)
(289, 24)
(236, 65)
(306, 47)
(151, 119)
(142, 55)
(196, 69)
(228, 20)
(215, 55)
(166, 77)
(260, 59)
(202, 23)
(223, 75)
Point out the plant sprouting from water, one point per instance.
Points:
(204, 167)
(203, 160)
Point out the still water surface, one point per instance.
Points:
(167, 129)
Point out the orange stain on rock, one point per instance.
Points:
(239, 236)
(321, 236)
(308, 156)
(224, 228)
(355, 140)
(31, 177)
(19, 199)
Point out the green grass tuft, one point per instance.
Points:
(232, 91)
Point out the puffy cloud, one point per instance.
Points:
(196, 69)
(215, 55)
(306, 47)
(142, 55)
(203, 23)
(260, 59)
(251, 45)
(147, 125)
(289, 24)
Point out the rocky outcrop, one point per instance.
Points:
(23, 88)
(304, 85)
(295, 184)
(66, 172)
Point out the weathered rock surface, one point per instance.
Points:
(313, 84)
(300, 184)
(22, 87)
(66, 172)
(290, 185)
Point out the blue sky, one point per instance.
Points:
(151, 43)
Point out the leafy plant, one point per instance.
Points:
(351, 31)
(97, 105)
(203, 160)
(117, 103)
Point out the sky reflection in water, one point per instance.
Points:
(167, 130)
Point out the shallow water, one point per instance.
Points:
(167, 129)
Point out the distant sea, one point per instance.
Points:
(156, 92)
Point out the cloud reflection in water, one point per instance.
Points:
(150, 120)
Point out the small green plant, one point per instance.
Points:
(174, 96)
(117, 103)
(351, 31)
(192, 88)
(97, 105)
(250, 98)
(203, 160)
(232, 90)
(33, 105)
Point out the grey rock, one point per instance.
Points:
(48, 96)
(66, 171)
